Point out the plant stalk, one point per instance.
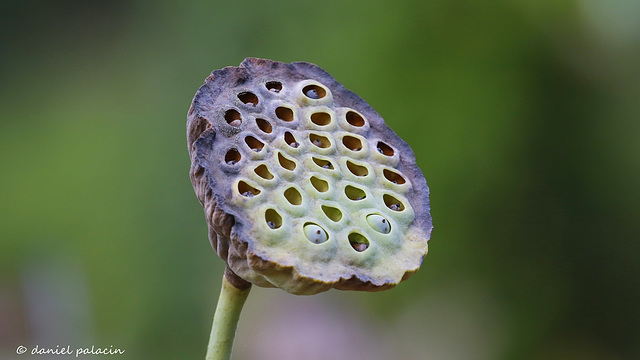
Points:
(233, 295)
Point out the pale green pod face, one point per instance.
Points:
(304, 186)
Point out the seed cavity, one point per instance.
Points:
(293, 196)
(253, 143)
(247, 190)
(384, 149)
(291, 140)
(321, 118)
(394, 177)
(358, 242)
(264, 125)
(392, 203)
(315, 233)
(274, 86)
(273, 219)
(332, 213)
(233, 117)
(319, 184)
(263, 172)
(284, 113)
(355, 119)
(286, 163)
(232, 157)
(314, 92)
(352, 143)
(320, 141)
(379, 223)
(325, 164)
(357, 170)
(248, 98)
(354, 193)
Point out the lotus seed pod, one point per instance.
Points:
(304, 186)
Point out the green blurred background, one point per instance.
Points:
(525, 119)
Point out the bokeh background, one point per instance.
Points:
(525, 118)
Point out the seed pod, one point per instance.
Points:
(304, 186)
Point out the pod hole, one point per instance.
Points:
(284, 113)
(332, 213)
(357, 170)
(264, 125)
(263, 172)
(354, 193)
(293, 196)
(274, 86)
(315, 233)
(291, 140)
(355, 119)
(358, 242)
(286, 163)
(394, 177)
(321, 118)
(248, 98)
(379, 223)
(232, 157)
(273, 219)
(254, 144)
(325, 164)
(352, 143)
(319, 184)
(233, 117)
(319, 141)
(314, 92)
(247, 190)
(392, 203)
(384, 149)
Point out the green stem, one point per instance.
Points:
(233, 294)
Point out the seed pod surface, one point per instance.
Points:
(304, 187)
